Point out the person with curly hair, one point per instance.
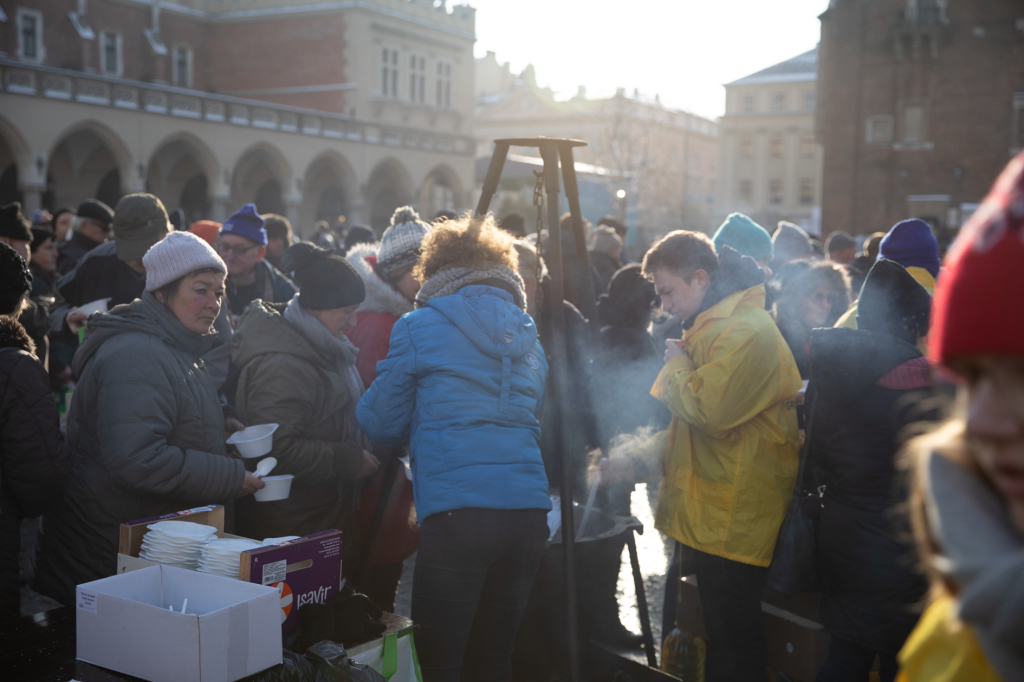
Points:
(463, 381)
(808, 295)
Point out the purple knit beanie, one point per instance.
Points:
(247, 222)
(912, 244)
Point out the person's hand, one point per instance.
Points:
(801, 398)
(75, 319)
(232, 425)
(617, 469)
(673, 347)
(250, 485)
(370, 464)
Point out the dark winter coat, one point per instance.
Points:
(867, 386)
(604, 266)
(73, 250)
(284, 380)
(271, 286)
(148, 434)
(36, 461)
(100, 274)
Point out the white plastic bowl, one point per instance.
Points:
(183, 529)
(254, 441)
(276, 488)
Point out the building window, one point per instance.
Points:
(1018, 124)
(30, 35)
(779, 101)
(810, 99)
(183, 67)
(914, 124)
(444, 85)
(775, 145)
(417, 78)
(389, 72)
(110, 58)
(879, 130)
(746, 146)
(775, 192)
(807, 192)
(746, 191)
(807, 145)
(748, 102)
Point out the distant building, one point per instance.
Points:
(921, 106)
(770, 166)
(665, 160)
(311, 109)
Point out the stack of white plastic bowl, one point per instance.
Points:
(176, 543)
(221, 556)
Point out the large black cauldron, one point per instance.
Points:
(542, 641)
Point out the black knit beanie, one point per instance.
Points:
(892, 302)
(39, 237)
(13, 223)
(15, 279)
(326, 281)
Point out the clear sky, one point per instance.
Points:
(682, 50)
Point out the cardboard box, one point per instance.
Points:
(229, 630)
(305, 571)
(794, 644)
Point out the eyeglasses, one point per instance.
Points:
(238, 250)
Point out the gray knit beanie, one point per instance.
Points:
(606, 241)
(176, 255)
(400, 245)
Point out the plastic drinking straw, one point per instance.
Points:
(184, 605)
(590, 505)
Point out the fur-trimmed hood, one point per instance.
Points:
(381, 297)
(13, 335)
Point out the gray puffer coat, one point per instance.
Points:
(148, 433)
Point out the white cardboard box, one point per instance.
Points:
(230, 629)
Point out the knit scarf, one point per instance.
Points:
(450, 280)
(343, 350)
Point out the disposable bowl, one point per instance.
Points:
(276, 488)
(183, 529)
(254, 441)
(100, 305)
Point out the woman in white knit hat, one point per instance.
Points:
(145, 422)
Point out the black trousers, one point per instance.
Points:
(850, 662)
(474, 571)
(730, 594)
(10, 545)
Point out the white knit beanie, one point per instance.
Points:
(400, 245)
(176, 255)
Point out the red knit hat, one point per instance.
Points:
(978, 307)
(207, 230)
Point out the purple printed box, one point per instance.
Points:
(305, 571)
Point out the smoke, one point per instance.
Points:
(625, 444)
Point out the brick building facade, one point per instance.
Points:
(921, 104)
(313, 109)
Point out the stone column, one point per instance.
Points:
(355, 211)
(291, 211)
(220, 207)
(31, 198)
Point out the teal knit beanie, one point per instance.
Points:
(744, 235)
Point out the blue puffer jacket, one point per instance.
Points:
(464, 381)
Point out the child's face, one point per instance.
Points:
(995, 425)
(679, 297)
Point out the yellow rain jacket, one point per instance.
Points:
(732, 450)
(943, 649)
(923, 277)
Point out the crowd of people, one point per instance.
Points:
(720, 368)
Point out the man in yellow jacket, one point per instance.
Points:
(731, 454)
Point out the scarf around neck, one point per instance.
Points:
(450, 280)
(343, 350)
